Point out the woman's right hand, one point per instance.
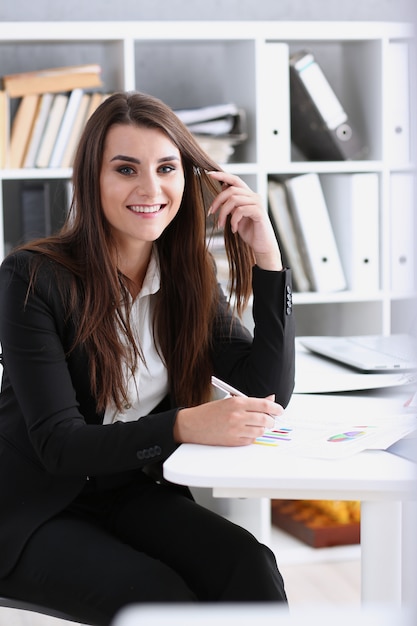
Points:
(234, 421)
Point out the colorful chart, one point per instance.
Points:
(275, 436)
(347, 436)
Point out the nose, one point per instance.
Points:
(149, 184)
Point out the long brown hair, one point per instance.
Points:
(188, 297)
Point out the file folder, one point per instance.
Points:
(353, 204)
(398, 102)
(315, 233)
(402, 232)
(274, 121)
(320, 127)
(283, 225)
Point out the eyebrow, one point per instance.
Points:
(129, 159)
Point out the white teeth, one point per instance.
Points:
(145, 209)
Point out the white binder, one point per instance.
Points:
(315, 232)
(403, 224)
(398, 102)
(283, 224)
(273, 104)
(353, 205)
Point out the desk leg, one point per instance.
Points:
(381, 552)
(254, 514)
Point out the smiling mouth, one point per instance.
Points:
(143, 208)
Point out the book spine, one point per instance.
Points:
(74, 101)
(22, 128)
(51, 130)
(37, 130)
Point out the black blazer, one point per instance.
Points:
(51, 435)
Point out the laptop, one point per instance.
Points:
(367, 353)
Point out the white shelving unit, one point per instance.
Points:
(191, 64)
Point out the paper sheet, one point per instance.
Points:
(332, 438)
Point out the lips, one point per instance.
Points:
(144, 208)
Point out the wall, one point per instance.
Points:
(379, 10)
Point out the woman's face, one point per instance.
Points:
(141, 184)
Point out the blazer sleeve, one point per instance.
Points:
(40, 406)
(264, 364)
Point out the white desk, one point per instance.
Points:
(385, 484)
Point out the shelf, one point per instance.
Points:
(205, 67)
(35, 174)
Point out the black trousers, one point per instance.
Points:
(140, 542)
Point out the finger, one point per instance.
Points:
(229, 179)
(229, 200)
(260, 421)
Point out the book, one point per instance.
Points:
(96, 99)
(38, 129)
(284, 228)
(204, 114)
(21, 129)
(315, 233)
(320, 126)
(52, 80)
(51, 130)
(91, 103)
(353, 205)
(76, 130)
(74, 100)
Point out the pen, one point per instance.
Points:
(220, 384)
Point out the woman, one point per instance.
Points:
(110, 332)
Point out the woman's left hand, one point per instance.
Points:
(248, 218)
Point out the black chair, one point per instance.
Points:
(11, 603)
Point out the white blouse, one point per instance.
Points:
(149, 385)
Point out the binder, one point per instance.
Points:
(398, 102)
(35, 210)
(315, 233)
(320, 126)
(402, 230)
(353, 205)
(274, 100)
(284, 228)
